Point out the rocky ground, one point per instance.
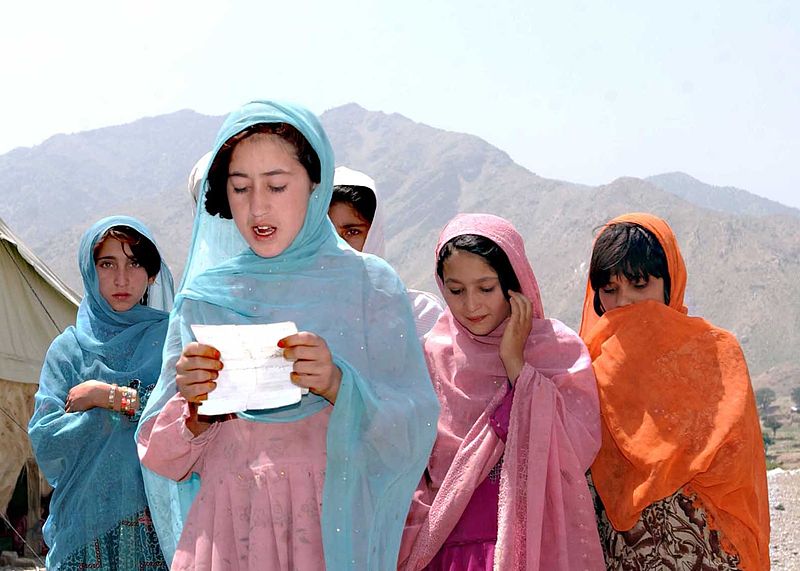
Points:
(784, 503)
(784, 500)
(10, 562)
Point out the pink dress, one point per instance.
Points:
(544, 512)
(470, 546)
(260, 499)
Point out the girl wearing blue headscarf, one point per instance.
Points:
(324, 483)
(95, 380)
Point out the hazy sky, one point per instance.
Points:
(585, 91)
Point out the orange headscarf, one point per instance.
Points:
(678, 412)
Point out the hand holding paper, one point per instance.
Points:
(196, 371)
(314, 368)
(255, 374)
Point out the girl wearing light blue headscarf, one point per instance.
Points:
(95, 380)
(325, 483)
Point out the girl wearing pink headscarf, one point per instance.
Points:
(505, 486)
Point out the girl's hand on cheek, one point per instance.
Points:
(512, 345)
(313, 364)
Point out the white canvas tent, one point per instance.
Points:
(35, 306)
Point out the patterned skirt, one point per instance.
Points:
(671, 534)
(132, 545)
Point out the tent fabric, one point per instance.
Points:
(16, 407)
(7, 235)
(35, 306)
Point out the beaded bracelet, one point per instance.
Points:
(135, 385)
(126, 400)
(112, 397)
(130, 402)
(142, 394)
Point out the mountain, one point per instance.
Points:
(721, 198)
(52, 192)
(741, 268)
(743, 262)
(70, 178)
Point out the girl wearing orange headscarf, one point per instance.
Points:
(680, 476)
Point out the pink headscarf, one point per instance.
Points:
(546, 517)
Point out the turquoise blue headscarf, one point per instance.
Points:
(90, 457)
(383, 425)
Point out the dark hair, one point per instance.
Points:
(361, 198)
(142, 250)
(630, 250)
(217, 195)
(486, 249)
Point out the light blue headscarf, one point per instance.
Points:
(383, 425)
(90, 457)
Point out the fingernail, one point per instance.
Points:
(281, 343)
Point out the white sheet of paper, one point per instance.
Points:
(255, 374)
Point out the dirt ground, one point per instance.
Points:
(784, 504)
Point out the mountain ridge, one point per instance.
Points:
(741, 264)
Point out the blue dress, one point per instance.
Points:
(99, 517)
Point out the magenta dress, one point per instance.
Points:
(470, 546)
(260, 498)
